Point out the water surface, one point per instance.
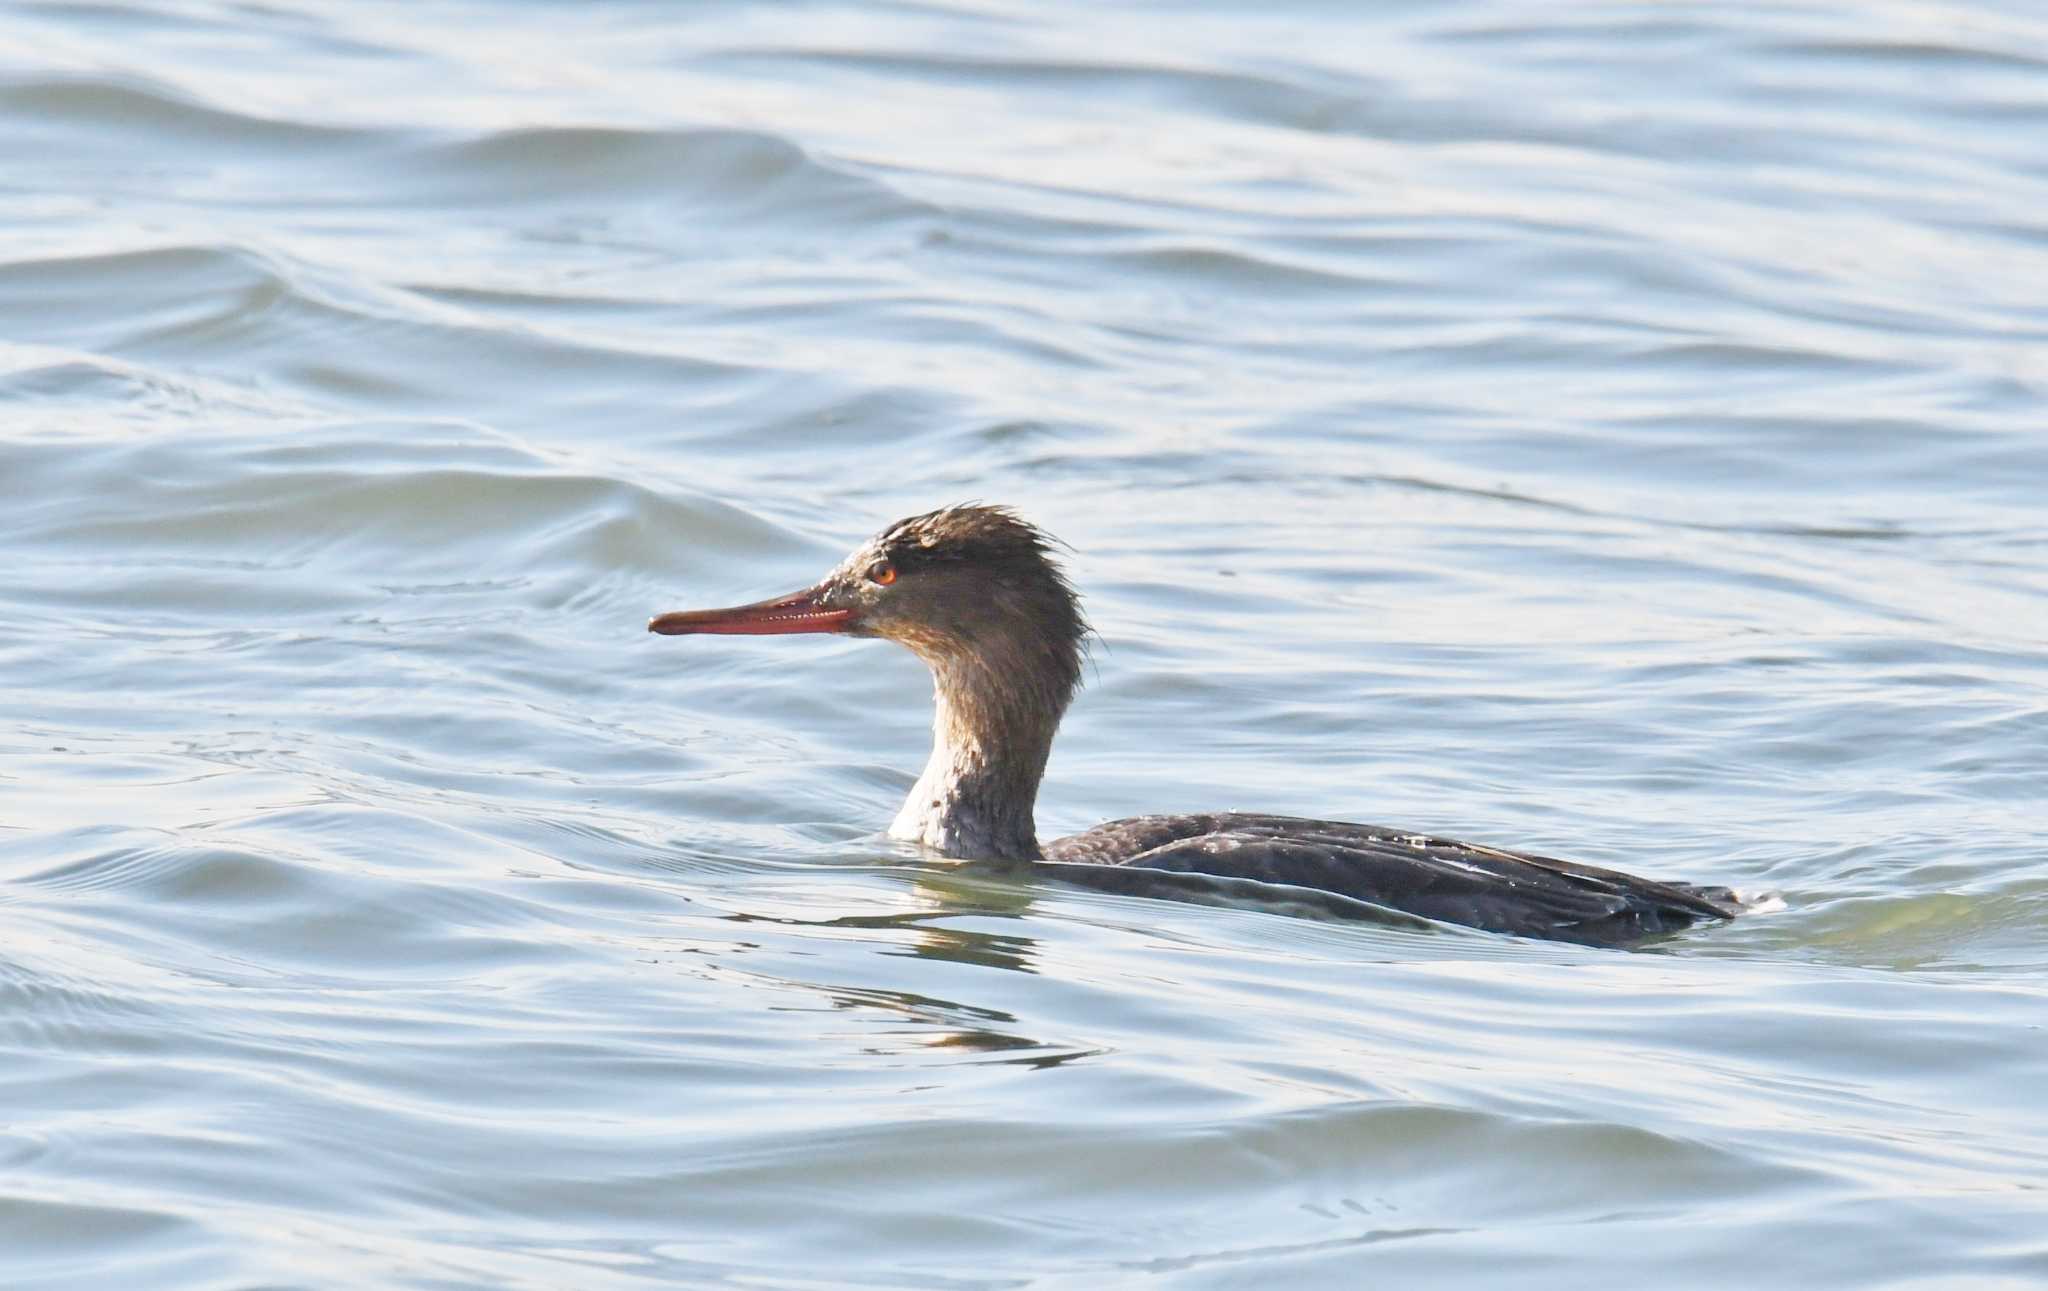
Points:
(1612, 430)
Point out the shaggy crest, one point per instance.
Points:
(969, 532)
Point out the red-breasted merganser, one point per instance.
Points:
(975, 592)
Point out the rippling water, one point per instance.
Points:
(1611, 429)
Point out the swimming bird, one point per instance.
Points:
(977, 593)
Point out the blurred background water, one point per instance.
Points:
(1610, 429)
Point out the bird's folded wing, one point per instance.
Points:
(1435, 878)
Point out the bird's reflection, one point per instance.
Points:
(944, 1025)
(961, 899)
(954, 893)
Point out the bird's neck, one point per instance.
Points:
(991, 735)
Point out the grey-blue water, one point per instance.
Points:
(1614, 430)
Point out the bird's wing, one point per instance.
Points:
(1436, 878)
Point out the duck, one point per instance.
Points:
(979, 595)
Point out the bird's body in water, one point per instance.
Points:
(974, 592)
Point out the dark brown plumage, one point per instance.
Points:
(976, 592)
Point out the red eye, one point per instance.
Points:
(882, 572)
